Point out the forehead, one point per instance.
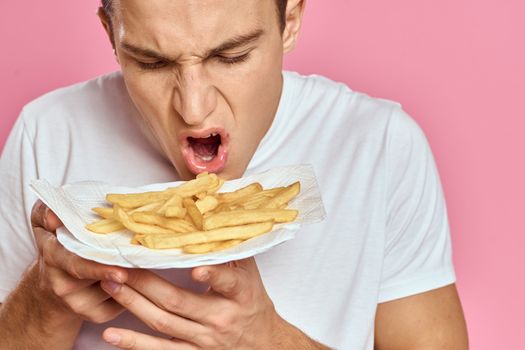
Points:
(189, 25)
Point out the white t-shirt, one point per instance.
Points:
(386, 232)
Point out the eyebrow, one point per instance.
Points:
(230, 44)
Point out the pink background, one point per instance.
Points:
(458, 66)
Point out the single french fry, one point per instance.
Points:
(241, 192)
(152, 218)
(108, 213)
(222, 234)
(249, 201)
(133, 226)
(243, 217)
(214, 189)
(105, 226)
(175, 212)
(207, 203)
(104, 212)
(257, 199)
(148, 207)
(199, 248)
(198, 185)
(201, 195)
(175, 201)
(135, 200)
(214, 186)
(210, 247)
(227, 244)
(193, 212)
(283, 197)
(135, 239)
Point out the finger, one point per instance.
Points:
(42, 237)
(128, 339)
(169, 297)
(156, 318)
(42, 216)
(228, 280)
(105, 312)
(63, 284)
(93, 304)
(57, 256)
(84, 300)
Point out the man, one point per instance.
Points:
(201, 89)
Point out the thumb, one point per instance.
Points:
(233, 280)
(42, 216)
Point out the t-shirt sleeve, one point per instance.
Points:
(17, 245)
(417, 255)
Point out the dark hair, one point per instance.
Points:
(281, 10)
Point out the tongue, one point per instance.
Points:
(205, 147)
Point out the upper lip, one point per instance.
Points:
(203, 133)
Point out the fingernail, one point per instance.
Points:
(112, 338)
(111, 287)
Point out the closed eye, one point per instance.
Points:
(152, 65)
(233, 60)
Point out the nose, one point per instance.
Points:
(195, 97)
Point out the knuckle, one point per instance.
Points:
(62, 288)
(161, 324)
(136, 278)
(78, 306)
(129, 342)
(48, 242)
(174, 303)
(230, 286)
(99, 318)
(37, 213)
(208, 342)
(73, 270)
(105, 313)
(224, 323)
(127, 300)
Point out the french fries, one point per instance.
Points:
(195, 217)
(242, 232)
(243, 217)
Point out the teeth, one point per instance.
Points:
(206, 158)
(213, 134)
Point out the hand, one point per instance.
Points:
(72, 283)
(235, 313)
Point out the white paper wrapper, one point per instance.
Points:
(73, 202)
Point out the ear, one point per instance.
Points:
(108, 27)
(293, 20)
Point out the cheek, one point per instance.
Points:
(150, 97)
(157, 122)
(259, 94)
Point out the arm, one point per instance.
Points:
(30, 319)
(57, 292)
(430, 320)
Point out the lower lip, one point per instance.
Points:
(197, 165)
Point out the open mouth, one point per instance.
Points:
(205, 150)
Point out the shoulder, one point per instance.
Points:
(335, 106)
(95, 97)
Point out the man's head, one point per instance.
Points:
(205, 75)
(107, 6)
